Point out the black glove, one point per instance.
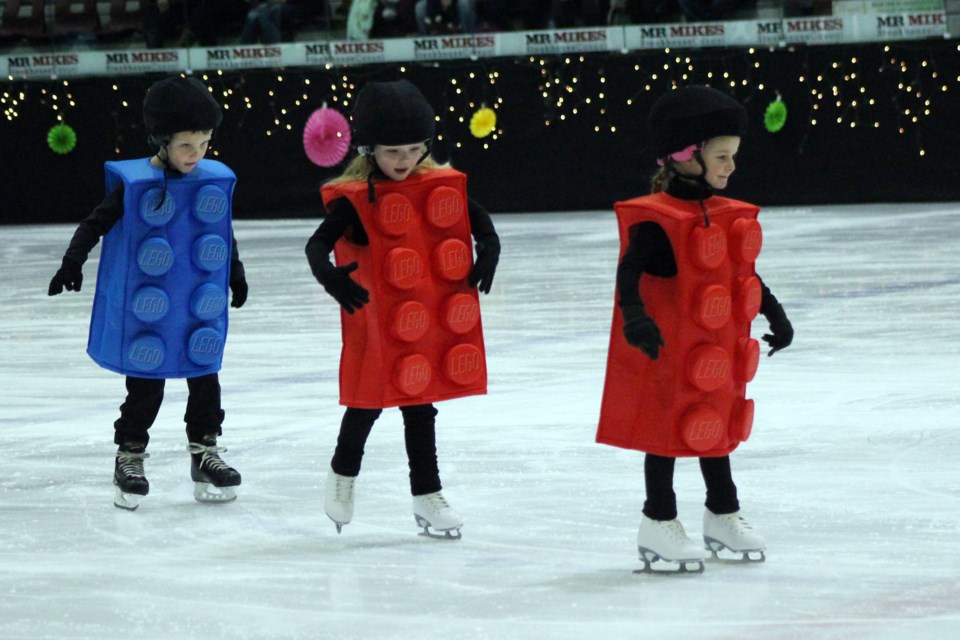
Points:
(338, 283)
(488, 256)
(641, 331)
(69, 275)
(781, 331)
(239, 289)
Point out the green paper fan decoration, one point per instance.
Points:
(775, 116)
(62, 138)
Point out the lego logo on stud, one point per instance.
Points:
(208, 301)
(452, 260)
(708, 246)
(409, 321)
(712, 306)
(394, 214)
(748, 359)
(210, 252)
(403, 268)
(155, 256)
(412, 375)
(463, 364)
(708, 367)
(444, 207)
(460, 313)
(145, 352)
(205, 346)
(746, 238)
(210, 204)
(150, 304)
(702, 427)
(153, 211)
(749, 297)
(742, 421)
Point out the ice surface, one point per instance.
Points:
(851, 473)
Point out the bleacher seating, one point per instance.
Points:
(23, 19)
(74, 17)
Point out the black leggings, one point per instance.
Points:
(144, 397)
(661, 503)
(419, 436)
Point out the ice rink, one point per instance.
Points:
(851, 473)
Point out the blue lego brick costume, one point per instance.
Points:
(160, 309)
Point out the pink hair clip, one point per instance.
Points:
(682, 155)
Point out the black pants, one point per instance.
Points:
(144, 397)
(419, 436)
(661, 503)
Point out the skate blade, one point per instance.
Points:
(670, 567)
(337, 524)
(746, 556)
(437, 534)
(208, 494)
(127, 501)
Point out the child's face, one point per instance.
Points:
(718, 154)
(187, 148)
(398, 162)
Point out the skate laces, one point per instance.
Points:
(210, 455)
(733, 523)
(131, 463)
(675, 529)
(435, 501)
(738, 523)
(343, 488)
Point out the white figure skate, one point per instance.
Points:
(730, 531)
(436, 516)
(666, 540)
(338, 502)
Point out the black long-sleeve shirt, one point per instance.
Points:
(101, 220)
(342, 219)
(650, 252)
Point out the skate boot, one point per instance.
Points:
(431, 511)
(128, 476)
(666, 540)
(730, 531)
(338, 502)
(215, 479)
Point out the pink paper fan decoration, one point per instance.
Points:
(326, 137)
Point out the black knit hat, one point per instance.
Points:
(392, 113)
(179, 104)
(691, 115)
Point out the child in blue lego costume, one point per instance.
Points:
(160, 308)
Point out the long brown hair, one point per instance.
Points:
(661, 179)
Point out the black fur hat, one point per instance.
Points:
(179, 104)
(392, 113)
(691, 115)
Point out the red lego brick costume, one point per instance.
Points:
(691, 400)
(419, 339)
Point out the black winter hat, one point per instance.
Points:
(392, 113)
(179, 104)
(692, 115)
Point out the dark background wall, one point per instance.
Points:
(903, 99)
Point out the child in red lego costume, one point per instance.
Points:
(400, 228)
(680, 348)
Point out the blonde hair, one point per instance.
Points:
(361, 167)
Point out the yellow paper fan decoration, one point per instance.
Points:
(483, 122)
